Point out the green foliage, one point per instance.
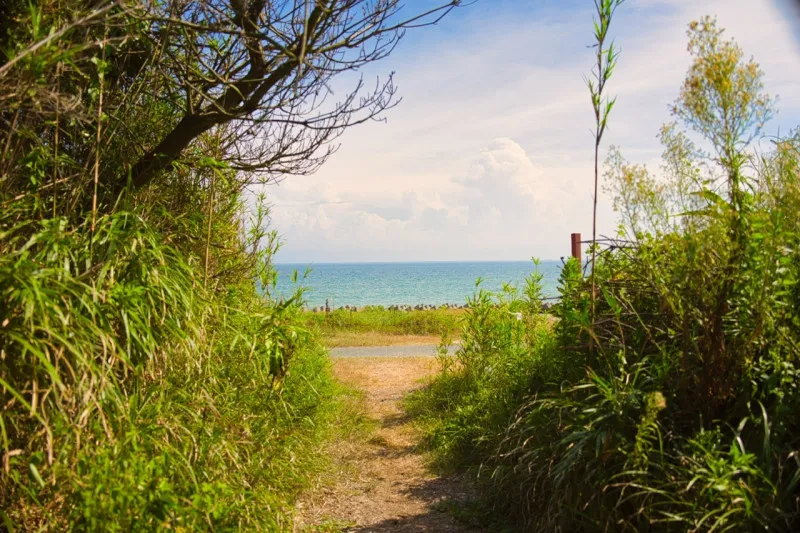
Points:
(471, 401)
(671, 407)
(381, 320)
(136, 400)
(606, 63)
(148, 382)
(723, 96)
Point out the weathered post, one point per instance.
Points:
(576, 246)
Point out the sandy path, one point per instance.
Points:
(400, 350)
(387, 486)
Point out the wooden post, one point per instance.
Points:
(576, 246)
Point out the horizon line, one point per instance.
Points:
(412, 262)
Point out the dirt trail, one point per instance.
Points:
(387, 486)
(397, 350)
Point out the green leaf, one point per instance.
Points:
(35, 474)
(7, 522)
(611, 301)
(714, 198)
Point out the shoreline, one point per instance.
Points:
(394, 307)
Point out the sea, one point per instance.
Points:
(432, 283)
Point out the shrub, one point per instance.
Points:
(136, 400)
(669, 403)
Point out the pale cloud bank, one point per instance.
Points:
(503, 202)
(489, 156)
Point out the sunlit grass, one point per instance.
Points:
(382, 327)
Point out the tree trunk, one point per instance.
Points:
(168, 150)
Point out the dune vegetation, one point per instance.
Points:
(148, 380)
(665, 397)
(378, 326)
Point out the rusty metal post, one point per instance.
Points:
(576, 246)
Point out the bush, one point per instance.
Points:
(504, 341)
(136, 400)
(147, 379)
(670, 403)
(389, 321)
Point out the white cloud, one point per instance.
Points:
(489, 156)
(502, 207)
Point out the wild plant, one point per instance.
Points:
(666, 397)
(146, 382)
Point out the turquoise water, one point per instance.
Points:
(386, 284)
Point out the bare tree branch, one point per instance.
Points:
(265, 68)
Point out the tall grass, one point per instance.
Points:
(671, 404)
(502, 339)
(133, 399)
(146, 382)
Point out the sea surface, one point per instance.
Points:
(387, 284)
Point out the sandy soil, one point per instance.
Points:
(398, 350)
(384, 485)
(372, 338)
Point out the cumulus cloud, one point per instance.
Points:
(503, 204)
(504, 179)
(489, 156)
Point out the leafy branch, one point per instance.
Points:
(602, 105)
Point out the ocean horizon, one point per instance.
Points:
(407, 282)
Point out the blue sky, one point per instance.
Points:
(489, 155)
